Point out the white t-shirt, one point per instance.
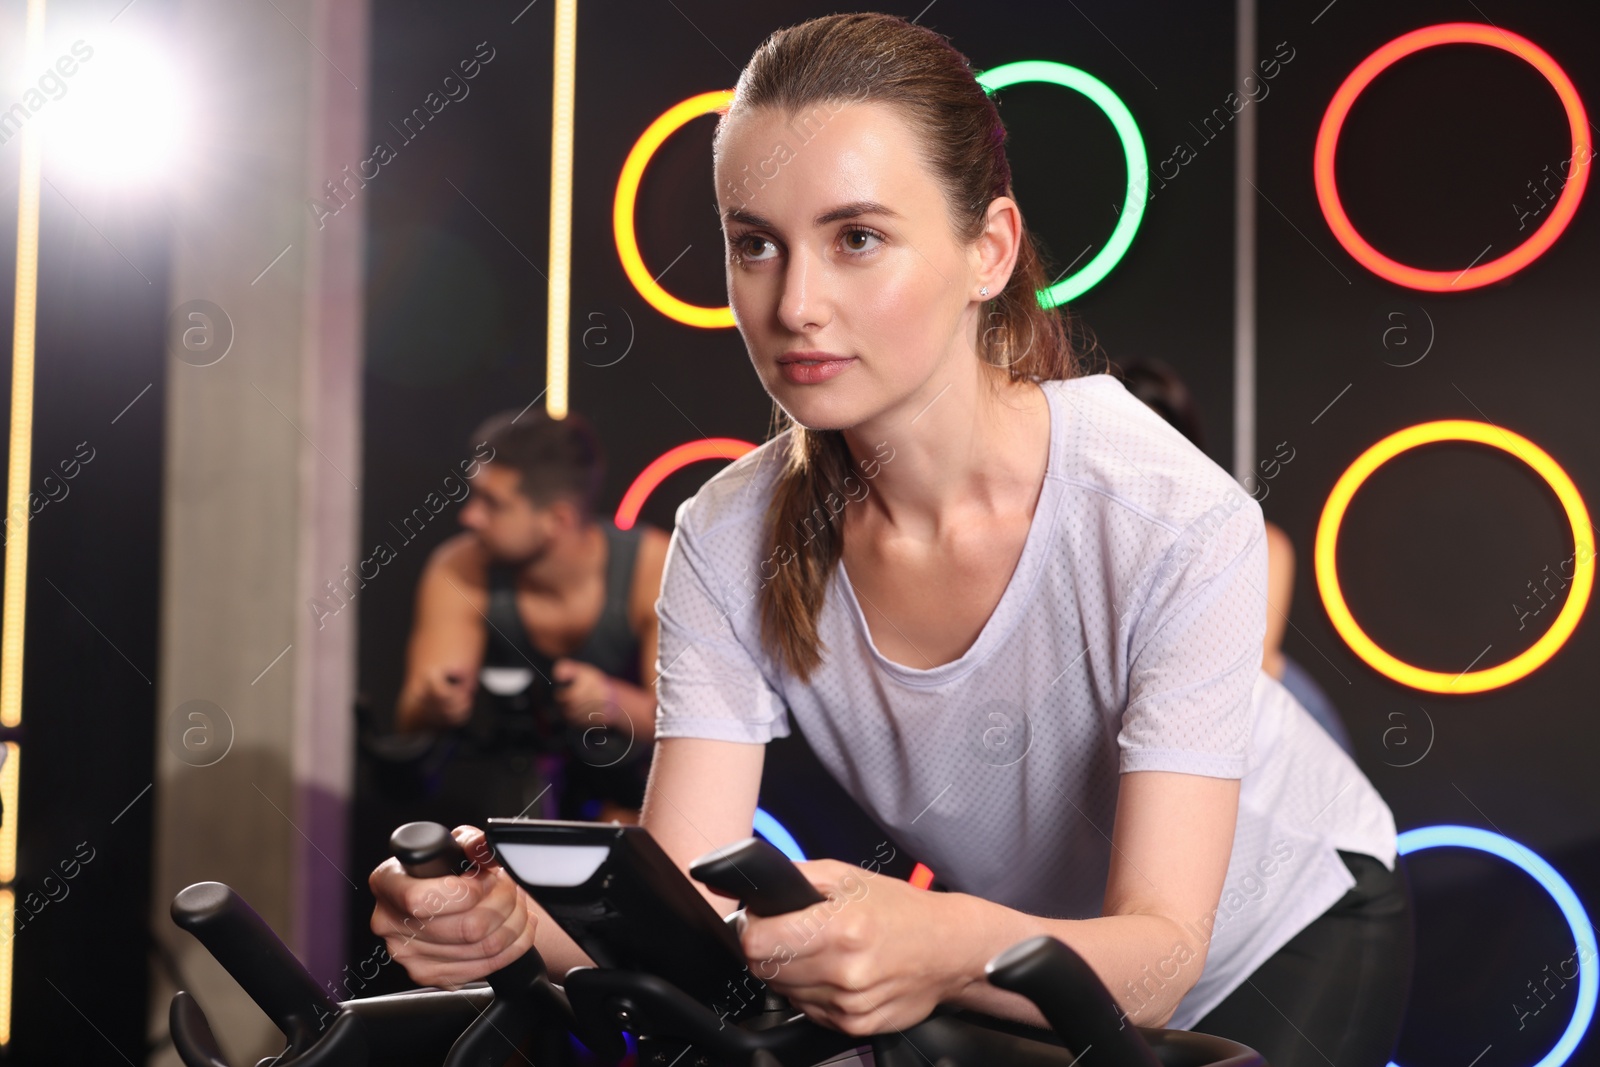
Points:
(1128, 639)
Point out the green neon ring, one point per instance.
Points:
(1044, 70)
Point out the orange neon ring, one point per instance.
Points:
(1496, 269)
(1468, 681)
(668, 463)
(628, 194)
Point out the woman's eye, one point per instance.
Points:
(752, 248)
(859, 240)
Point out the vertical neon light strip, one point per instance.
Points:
(19, 471)
(8, 874)
(8, 830)
(8, 912)
(21, 461)
(566, 59)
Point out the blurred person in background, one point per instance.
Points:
(534, 637)
(1159, 386)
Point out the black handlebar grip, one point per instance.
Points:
(248, 950)
(426, 850)
(755, 872)
(191, 1033)
(1074, 1001)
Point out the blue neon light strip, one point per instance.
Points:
(1561, 892)
(782, 839)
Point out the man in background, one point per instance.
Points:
(535, 631)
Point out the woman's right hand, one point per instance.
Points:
(449, 931)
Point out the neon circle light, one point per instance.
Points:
(1101, 95)
(1496, 269)
(778, 836)
(1559, 890)
(1468, 681)
(668, 463)
(627, 196)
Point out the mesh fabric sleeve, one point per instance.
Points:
(1195, 648)
(708, 683)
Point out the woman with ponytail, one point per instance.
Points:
(1016, 614)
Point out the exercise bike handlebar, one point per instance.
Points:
(1071, 997)
(245, 945)
(756, 872)
(1074, 1001)
(494, 1022)
(427, 850)
(403, 1028)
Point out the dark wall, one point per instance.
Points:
(1434, 166)
(90, 653)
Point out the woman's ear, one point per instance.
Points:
(995, 251)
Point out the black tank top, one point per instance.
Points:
(612, 645)
(516, 704)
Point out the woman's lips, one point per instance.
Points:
(810, 372)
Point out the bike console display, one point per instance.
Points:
(623, 900)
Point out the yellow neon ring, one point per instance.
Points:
(628, 193)
(1468, 681)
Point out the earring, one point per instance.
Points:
(984, 291)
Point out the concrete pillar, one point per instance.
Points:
(263, 464)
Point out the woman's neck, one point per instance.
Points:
(958, 446)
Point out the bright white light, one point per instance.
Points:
(561, 866)
(111, 108)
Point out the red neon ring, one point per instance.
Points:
(674, 459)
(1542, 238)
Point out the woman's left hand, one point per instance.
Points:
(866, 961)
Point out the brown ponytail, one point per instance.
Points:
(884, 59)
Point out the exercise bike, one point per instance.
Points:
(669, 972)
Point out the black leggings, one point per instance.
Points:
(1336, 992)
